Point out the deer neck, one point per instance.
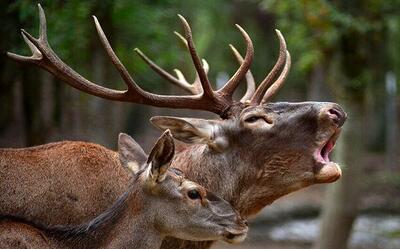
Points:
(135, 232)
(127, 224)
(134, 228)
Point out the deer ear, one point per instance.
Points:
(131, 155)
(192, 130)
(161, 156)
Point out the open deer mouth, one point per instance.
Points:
(322, 153)
(327, 171)
(235, 234)
(235, 237)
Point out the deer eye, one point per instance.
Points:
(254, 119)
(193, 194)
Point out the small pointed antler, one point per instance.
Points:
(262, 88)
(205, 83)
(233, 82)
(274, 88)
(251, 84)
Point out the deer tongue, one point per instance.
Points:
(326, 150)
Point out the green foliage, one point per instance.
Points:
(355, 32)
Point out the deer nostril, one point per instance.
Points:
(335, 112)
(337, 116)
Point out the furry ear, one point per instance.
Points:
(192, 130)
(161, 156)
(131, 155)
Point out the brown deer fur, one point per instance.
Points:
(158, 203)
(34, 181)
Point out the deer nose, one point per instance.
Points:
(337, 115)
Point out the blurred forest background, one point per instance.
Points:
(342, 51)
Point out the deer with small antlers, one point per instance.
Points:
(289, 143)
(159, 202)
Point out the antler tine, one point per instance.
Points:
(279, 82)
(182, 39)
(180, 81)
(130, 83)
(251, 84)
(258, 95)
(42, 25)
(36, 54)
(196, 85)
(43, 56)
(205, 83)
(233, 82)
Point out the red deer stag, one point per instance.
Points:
(290, 142)
(159, 202)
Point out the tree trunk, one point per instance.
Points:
(38, 106)
(317, 88)
(342, 198)
(391, 155)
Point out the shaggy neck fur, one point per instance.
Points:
(231, 174)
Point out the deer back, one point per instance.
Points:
(78, 179)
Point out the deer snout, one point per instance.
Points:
(336, 114)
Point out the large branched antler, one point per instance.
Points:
(44, 57)
(203, 96)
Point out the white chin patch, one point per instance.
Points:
(330, 172)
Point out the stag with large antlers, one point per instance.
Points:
(289, 143)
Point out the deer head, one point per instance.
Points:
(268, 149)
(275, 148)
(176, 206)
